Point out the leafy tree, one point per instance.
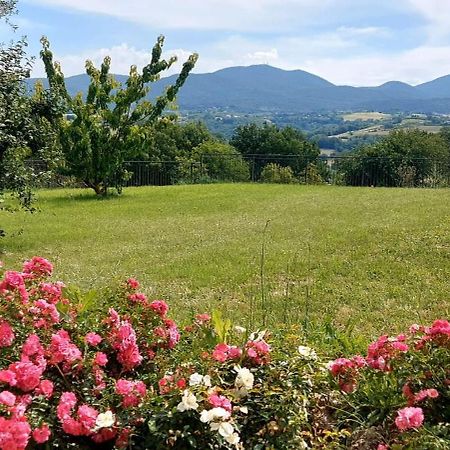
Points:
(405, 157)
(107, 126)
(221, 162)
(274, 173)
(270, 144)
(15, 121)
(168, 140)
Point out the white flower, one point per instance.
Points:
(226, 430)
(233, 439)
(243, 409)
(307, 352)
(239, 329)
(188, 401)
(213, 415)
(244, 378)
(196, 379)
(257, 335)
(105, 420)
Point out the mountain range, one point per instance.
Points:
(263, 88)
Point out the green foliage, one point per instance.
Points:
(404, 158)
(22, 131)
(270, 144)
(220, 162)
(106, 130)
(274, 173)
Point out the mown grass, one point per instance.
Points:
(375, 259)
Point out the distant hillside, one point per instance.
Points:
(264, 88)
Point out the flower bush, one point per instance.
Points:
(113, 370)
(399, 393)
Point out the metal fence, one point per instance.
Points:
(336, 170)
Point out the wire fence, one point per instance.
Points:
(335, 170)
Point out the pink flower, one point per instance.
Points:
(42, 434)
(14, 433)
(65, 406)
(160, 307)
(93, 339)
(138, 298)
(202, 318)
(224, 352)
(132, 392)
(27, 375)
(45, 388)
(45, 314)
(87, 417)
(38, 266)
(426, 393)
(258, 351)
(104, 435)
(7, 398)
(382, 447)
(51, 292)
(62, 350)
(8, 377)
(6, 334)
(14, 282)
(133, 283)
(123, 339)
(219, 401)
(409, 418)
(73, 427)
(100, 359)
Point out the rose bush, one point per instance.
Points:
(113, 370)
(399, 393)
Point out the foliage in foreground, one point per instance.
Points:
(80, 371)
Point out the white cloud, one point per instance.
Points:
(414, 66)
(263, 57)
(237, 15)
(437, 15)
(122, 57)
(363, 31)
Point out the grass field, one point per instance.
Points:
(377, 258)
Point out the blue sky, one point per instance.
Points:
(357, 42)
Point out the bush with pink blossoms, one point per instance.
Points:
(112, 370)
(400, 388)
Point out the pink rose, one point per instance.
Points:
(409, 418)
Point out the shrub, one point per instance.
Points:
(398, 394)
(274, 173)
(114, 371)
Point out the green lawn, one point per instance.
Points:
(377, 257)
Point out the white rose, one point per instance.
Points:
(105, 420)
(225, 429)
(233, 439)
(239, 329)
(244, 378)
(188, 401)
(195, 379)
(213, 415)
(307, 352)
